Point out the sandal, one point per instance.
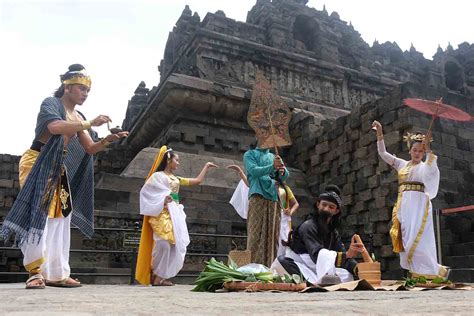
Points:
(64, 283)
(161, 282)
(36, 281)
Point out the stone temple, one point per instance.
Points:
(335, 84)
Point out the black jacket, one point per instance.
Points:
(313, 235)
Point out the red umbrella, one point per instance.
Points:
(438, 109)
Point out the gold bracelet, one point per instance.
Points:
(105, 142)
(86, 124)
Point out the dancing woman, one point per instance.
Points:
(164, 232)
(412, 230)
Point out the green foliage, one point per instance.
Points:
(216, 273)
(412, 282)
(439, 280)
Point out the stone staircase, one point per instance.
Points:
(458, 247)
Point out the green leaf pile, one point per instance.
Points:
(216, 273)
(411, 282)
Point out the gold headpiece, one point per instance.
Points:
(410, 138)
(79, 77)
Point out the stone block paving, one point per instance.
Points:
(139, 300)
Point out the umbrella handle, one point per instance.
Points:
(431, 124)
(440, 100)
(428, 134)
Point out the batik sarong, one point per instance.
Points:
(263, 229)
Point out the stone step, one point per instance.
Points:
(117, 201)
(448, 237)
(228, 223)
(460, 224)
(463, 249)
(446, 250)
(94, 260)
(122, 276)
(457, 262)
(462, 275)
(115, 182)
(103, 276)
(467, 237)
(205, 198)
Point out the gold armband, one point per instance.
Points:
(86, 124)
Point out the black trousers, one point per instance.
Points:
(289, 265)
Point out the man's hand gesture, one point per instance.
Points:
(355, 248)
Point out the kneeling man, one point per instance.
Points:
(315, 248)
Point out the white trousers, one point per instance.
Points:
(166, 261)
(51, 254)
(285, 227)
(314, 272)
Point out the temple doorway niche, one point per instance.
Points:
(306, 31)
(454, 76)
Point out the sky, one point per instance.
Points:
(121, 42)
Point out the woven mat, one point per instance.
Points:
(386, 285)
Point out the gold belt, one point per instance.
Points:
(411, 186)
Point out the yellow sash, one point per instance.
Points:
(395, 230)
(27, 161)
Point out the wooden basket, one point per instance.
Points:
(369, 271)
(263, 286)
(240, 257)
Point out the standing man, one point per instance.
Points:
(263, 221)
(57, 183)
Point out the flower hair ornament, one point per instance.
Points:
(410, 138)
(168, 153)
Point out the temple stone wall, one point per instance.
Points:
(9, 184)
(344, 152)
(113, 160)
(9, 188)
(209, 137)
